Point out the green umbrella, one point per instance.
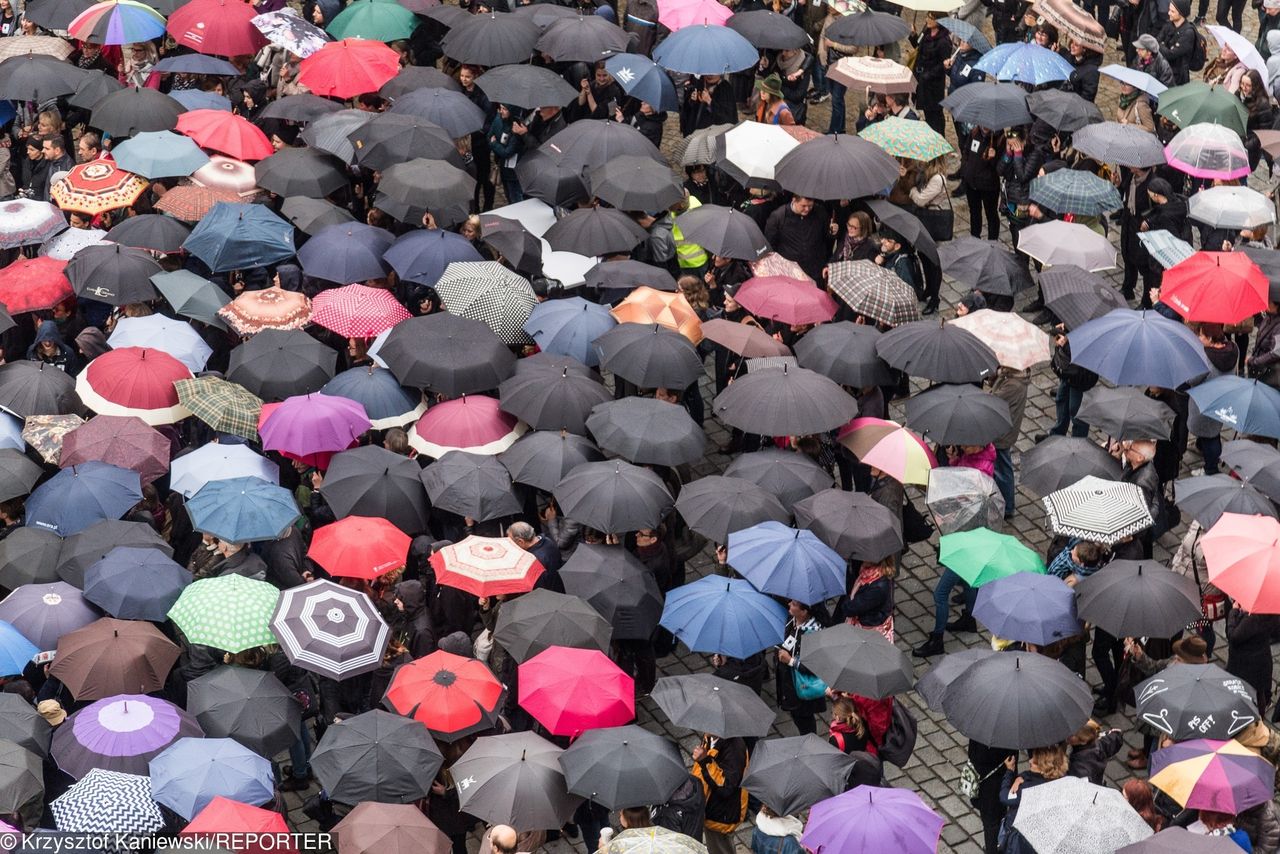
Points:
(908, 138)
(982, 555)
(225, 406)
(230, 612)
(1196, 102)
(377, 20)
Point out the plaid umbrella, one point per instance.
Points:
(46, 432)
(1072, 191)
(1167, 250)
(907, 138)
(330, 630)
(35, 46)
(870, 289)
(25, 221)
(97, 187)
(230, 612)
(874, 74)
(1016, 343)
(700, 146)
(488, 292)
(108, 802)
(190, 203)
(1098, 510)
(223, 405)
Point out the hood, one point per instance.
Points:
(1273, 41)
(48, 331)
(412, 594)
(92, 342)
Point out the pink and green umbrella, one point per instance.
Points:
(890, 447)
(117, 22)
(1223, 776)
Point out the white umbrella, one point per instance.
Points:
(216, 461)
(62, 246)
(174, 337)
(1240, 46)
(1057, 242)
(1070, 815)
(1231, 207)
(750, 151)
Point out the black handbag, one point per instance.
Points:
(939, 222)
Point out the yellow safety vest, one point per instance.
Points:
(689, 256)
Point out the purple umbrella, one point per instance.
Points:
(120, 733)
(45, 612)
(867, 818)
(312, 424)
(1028, 607)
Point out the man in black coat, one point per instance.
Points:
(798, 232)
(1178, 40)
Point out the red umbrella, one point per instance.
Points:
(471, 423)
(357, 311)
(359, 547)
(570, 691)
(792, 301)
(224, 815)
(348, 68)
(226, 132)
(1215, 287)
(134, 381)
(453, 696)
(1242, 554)
(123, 441)
(217, 27)
(34, 284)
(486, 566)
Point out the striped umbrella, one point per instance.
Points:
(1167, 250)
(330, 629)
(488, 292)
(870, 289)
(909, 138)
(486, 566)
(117, 22)
(1102, 511)
(357, 311)
(108, 802)
(1223, 776)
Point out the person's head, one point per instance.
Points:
(471, 228)
(503, 839)
(1142, 798)
(88, 146)
(1075, 48)
(522, 534)
(11, 510)
(49, 121)
(801, 206)
(467, 75)
(1046, 35)
(1086, 735)
(396, 441)
(695, 291)
(843, 712)
(798, 610)
(35, 149)
(888, 566)
(1159, 190)
(1089, 553)
(646, 538)
(5, 7)
(1191, 650)
(931, 21)
(601, 75)
(889, 243)
(666, 395)
(1250, 85)
(1138, 452)
(634, 817)
(548, 113)
(770, 89)
(1215, 820)
(1227, 56)
(1050, 762)
(1146, 47)
(52, 146)
(858, 225)
(77, 219)
(1178, 10)
(710, 80)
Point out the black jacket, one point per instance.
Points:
(1176, 45)
(1084, 76)
(803, 239)
(695, 115)
(931, 75)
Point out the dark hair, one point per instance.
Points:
(636, 817)
(1091, 554)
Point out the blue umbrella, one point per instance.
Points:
(1135, 78)
(421, 256)
(235, 236)
(787, 562)
(159, 154)
(218, 461)
(1027, 607)
(189, 773)
(196, 99)
(640, 78)
(1246, 406)
(724, 615)
(15, 651)
(705, 49)
(387, 403)
(1166, 249)
(1142, 348)
(569, 327)
(1024, 62)
(46, 612)
(346, 252)
(11, 432)
(135, 584)
(79, 496)
(196, 63)
(967, 32)
(242, 509)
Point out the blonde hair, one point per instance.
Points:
(888, 567)
(843, 711)
(1087, 734)
(1050, 761)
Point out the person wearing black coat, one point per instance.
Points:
(413, 624)
(989, 763)
(798, 232)
(707, 101)
(1085, 63)
(933, 49)
(1178, 40)
(790, 657)
(1249, 651)
(980, 152)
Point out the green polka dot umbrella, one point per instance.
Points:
(231, 612)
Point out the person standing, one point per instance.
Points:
(798, 232)
(804, 712)
(719, 764)
(1178, 41)
(933, 49)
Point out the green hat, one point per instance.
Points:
(771, 85)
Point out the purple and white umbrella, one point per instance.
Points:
(45, 612)
(121, 733)
(329, 629)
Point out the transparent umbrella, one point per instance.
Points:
(962, 499)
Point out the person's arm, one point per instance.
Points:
(1181, 46)
(870, 599)
(931, 192)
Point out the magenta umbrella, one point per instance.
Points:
(120, 733)
(472, 423)
(867, 818)
(310, 424)
(782, 298)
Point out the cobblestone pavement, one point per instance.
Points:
(940, 751)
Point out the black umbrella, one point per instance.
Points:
(550, 178)
(716, 505)
(510, 239)
(958, 415)
(984, 264)
(724, 231)
(21, 782)
(498, 38)
(428, 183)
(624, 766)
(93, 87)
(1063, 111)
(251, 706)
(933, 685)
(628, 275)
(553, 401)
(18, 474)
(372, 481)
(413, 77)
(331, 133)
(1126, 413)
(857, 660)
(81, 551)
(377, 756)
(452, 111)
(116, 275)
(311, 215)
(36, 388)
(1256, 463)
(135, 110)
(21, 724)
(470, 485)
(792, 774)
(934, 350)
(278, 363)
(907, 226)
(1133, 598)
(156, 232)
(706, 703)
(35, 77)
(595, 231)
(618, 586)
(542, 619)
(544, 15)
(448, 354)
(1077, 296)
(514, 779)
(647, 431)
(854, 524)
(784, 402)
(868, 29)
(769, 30)
(1192, 701)
(844, 352)
(613, 496)
(1002, 105)
(29, 556)
(300, 172)
(1207, 497)
(634, 182)
(1018, 700)
(836, 167)
(541, 459)
(414, 215)
(54, 14)
(302, 108)
(589, 143)
(649, 356)
(582, 38)
(1268, 261)
(388, 139)
(789, 476)
(1060, 461)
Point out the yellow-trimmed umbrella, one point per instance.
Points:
(97, 187)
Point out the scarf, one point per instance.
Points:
(849, 246)
(779, 826)
(1126, 101)
(790, 66)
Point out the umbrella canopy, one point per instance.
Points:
(231, 612)
(984, 263)
(1070, 191)
(372, 481)
(28, 222)
(1209, 151)
(29, 389)
(224, 406)
(123, 441)
(836, 167)
(218, 462)
(470, 484)
(308, 426)
(1245, 405)
(494, 39)
(1017, 344)
(1027, 607)
(1098, 510)
(111, 657)
(517, 779)
(1059, 462)
(891, 448)
(866, 28)
(17, 475)
(288, 30)
(251, 706)
(936, 351)
(193, 771)
(242, 510)
(80, 551)
(784, 402)
(570, 691)
(1019, 699)
(724, 231)
(1129, 347)
(451, 695)
(1071, 814)
(359, 547)
(749, 153)
(1255, 463)
(716, 505)
(135, 110)
(867, 818)
(22, 725)
(278, 363)
(113, 274)
(225, 132)
(390, 829)
(787, 476)
(542, 619)
(373, 19)
(1127, 413)
(45, 612)
(724, 616)
(1179, 840)
(122, 733)
(487, 292)
(1207, 497)
(878, 74)
(649, 355)
(134, 382)
(1198, 103)
(16, 651)
(852, 524)
(792, 774)
(190, 295)
(306, 171)
(933, 685)
(958, 415)
(1215, 287)
(906, 138)
(1057, 243)
(329, 629)
(613, 496)
(344, 69)
(706, 703)
(448, 354)
(96, 187)
(844, 352)
(486, 566)
(223, 814)
(1063, 111)
(351, 253)
(857, 660)
(1239, 553)
(542, 458)
(569, 327)
(790, 301)
(625, 766)
(77, 497)
(526, 87)
(705, 49)
(117, 22)
(386, 402)
(232, 236)
(647, 431)
(1122, 144)
(377, 756)
(1231, 207)
(218, 27)
(150, 231)
(1194, 701)
(961, 499)
(618, 586)
(108, 802)
(1024, 62)
(1000, 106)
(794, 564)
(641, 78)
(30, 284)
(981, 556)
(635, 182)
(1223, 776)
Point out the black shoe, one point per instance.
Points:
(933, 646)
(1104, 708)
(1040, 437)
(931, 307)
(964, 624)
(296, 784)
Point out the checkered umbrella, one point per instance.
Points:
(230, 612)
(870, 289)
(108, 802)
(190, 203)
(1167, 250)
(1075, 192)
(223, 405)
(330, 630)
(1098, 510)
(488, 292)
(907, 138)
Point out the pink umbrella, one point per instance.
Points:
(890, 447)
(357, 311)
(472, 423)
(308, 425)
(674, 14)
(1209, 151)
(570, 691)
(792, 301)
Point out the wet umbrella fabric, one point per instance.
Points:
(618, 586)
(785, 402)
(542, 619)
(792, 774)
(613, 496)
(723, 616)
(542, 458)
(647, 432)
(620, 767)
(705, 703)
(251, 706)
(857, 660)
(716, 505)
(1019, 700)
(193, 771)
(649, 356)
(45, 612)
(1027, 607)
(77, 497)
(372, 481)
(1196, 701)
(517, 779)
(852, 524)
(471, 485)
(788, 477)
(1127, 413)
(376, 756)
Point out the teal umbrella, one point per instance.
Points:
(159, 154)
(376, 20)
(234, 236)
(192, 296)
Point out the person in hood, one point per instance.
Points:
(413, 623)
(91, 343)
(50, 349)
(238, 560)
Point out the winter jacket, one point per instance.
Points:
(684, 812)
(66, 360)
(1273, 59)
(1158, 67)
(1249, 649)
(977, 171)
(1084, 74)
(414, 626)
(1090, 760)
(784, 678)
(720, 773)
(1071, 373)
(962, 71)
(1012, 841)
(932, 50)
(1176, 45)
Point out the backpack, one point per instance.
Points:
(1199, 51)
(900, 738)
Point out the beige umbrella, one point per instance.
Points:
(225, 173)
(271, 308)
(374, 828)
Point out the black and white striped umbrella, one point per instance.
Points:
(490, 293)
(108, 802)
(1099, 510)
(330, 630)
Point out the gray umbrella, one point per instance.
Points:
(706, 703)
(723, 231)
(590, 143)
(627, 275)
(330, 133)
(906, 225)
(857, 660)
(550, 178)
(844, 352)
(854, 524)
(1193, 701)
(788, 475)
(784, 402)
(836, 167)
(17, 474)
(769, 30)
(634, 182)
(1207, 497)
(452, 111)
(525, 86)
(595, 231)
(958, 415)
(869, 28)
(377, 756)
(21, 782)
(792, 774)
(413, 77)
(498, 38)
(1077, 296)
(416, 181)
(1018, 700)
(984, 264)
(470, 485)
(1063, 111)
(300, 172)
(541, 618)
(717, 505)
(1179, 840)
(1123, 144)
(251, 706)
(29, 556)
(301, 108)
(933, 685)
(623, 766)
(514, 779)
(1060, 461)
(618, 586)
(81, 551)
(542, 458)
(934, 350)
(647, 431)
(45, 612)
(372, 481)
(21, 724)
(547, 400)
(649, 356)
(1256, 463)
(613, 496)
(447, 353)
(1131, 598)
(1126, 413)
(311, 215)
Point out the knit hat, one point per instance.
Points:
(1183, 7)
(457, 643)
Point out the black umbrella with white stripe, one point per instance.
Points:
(108, 802)
(329, 629)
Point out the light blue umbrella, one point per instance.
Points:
(1166, 249)
(640, 78)
(724, 615)
(193, 771)
(15, 650)
(175, 337)
(787, 562)
(159, 154)
(569, 327)
(1027, 607)
(79, 496)
(705, 49)
(967, 32)
(242, 510)
(236, 236)
(1135, 78)
(1244, 405)
(218, 461)
(11, 432)
(1142, 348)
(421, 255)
(387, 403)
(192, 296)
(197, 99)
(1024, 62)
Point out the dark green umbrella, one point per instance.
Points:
(541, 618)
(190, 295)
(855, 525)
(1198, 103)
(251, 706)
(716, 505)
(618, 586)
(624, 766)
(377, 756)
(376, 20)
(29, 556)
(792, 774)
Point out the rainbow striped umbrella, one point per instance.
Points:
(1224, 776)
(117, 22)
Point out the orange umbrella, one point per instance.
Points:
(97, 187)
(647, 305)
(190, 203)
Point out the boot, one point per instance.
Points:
(963, 624)
(933, 646)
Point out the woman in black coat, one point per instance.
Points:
(1249, 651)
(805, 713)
(980, 153)
(933, 49)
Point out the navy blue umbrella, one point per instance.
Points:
(79, 496)
(1142, 348)
(387, 403)
(640, 78)
(787, 562)
(570, 327)
(135, 583)
(1028, 607)
(234, 236)
(1246, 406)
(421, 256)
(706, 49)
(724, 615)
(242, 509)
(346, 252)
